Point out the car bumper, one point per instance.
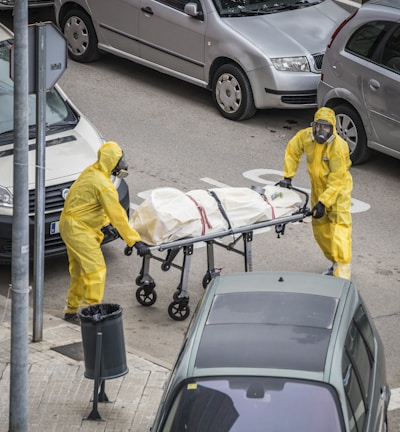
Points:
(53, 244)
(273, 89)
(292, 99)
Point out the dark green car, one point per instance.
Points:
(278, 352)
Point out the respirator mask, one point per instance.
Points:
(121, 169)
(322, 131)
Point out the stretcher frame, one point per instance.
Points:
(179, 308)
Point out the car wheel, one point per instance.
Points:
(232, 93)
(81, 36)
(350, 127)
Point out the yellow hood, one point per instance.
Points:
(326, 114)
(108, 156)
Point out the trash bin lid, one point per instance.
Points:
(100, 312)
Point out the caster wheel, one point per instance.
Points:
(206, 280)
(165, 266)
(146, 296)
(179, 310)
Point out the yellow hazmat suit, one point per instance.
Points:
(331, 184)
(92, 203)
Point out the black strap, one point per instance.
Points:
(220, 207)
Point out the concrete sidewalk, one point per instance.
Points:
(60, 397)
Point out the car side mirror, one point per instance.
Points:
(192, 10)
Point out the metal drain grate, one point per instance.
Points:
(74, 351)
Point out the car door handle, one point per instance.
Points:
(147, 10)
(374, 84)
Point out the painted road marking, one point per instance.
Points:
(394, 403)
(357, 206)
(354, 3)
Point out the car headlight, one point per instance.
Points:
(6, 198)
(291, 64)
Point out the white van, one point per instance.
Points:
(9, 4)
(71, 145)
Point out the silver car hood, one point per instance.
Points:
(291, 33)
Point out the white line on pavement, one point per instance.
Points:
(394, 399)
(353, 3)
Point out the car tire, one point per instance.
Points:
(350, 127)
(81, 36)
(232, 93)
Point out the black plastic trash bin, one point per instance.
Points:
(103, 319)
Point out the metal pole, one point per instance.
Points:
(18, 415)
(40, 38)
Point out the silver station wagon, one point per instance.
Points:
(252, 54)
(361, 80)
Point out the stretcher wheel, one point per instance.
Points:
(206, 279)
(128, 250)
(165, 266)
(179, 310)
(146, 295)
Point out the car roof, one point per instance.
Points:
(278, 321)
(5, 33)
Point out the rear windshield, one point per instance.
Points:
(59, 115)
(254, 404)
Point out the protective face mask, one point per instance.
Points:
(321, 135)
(121, 170)
(122, 173)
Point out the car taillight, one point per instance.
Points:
(336, 32)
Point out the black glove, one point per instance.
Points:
(110, 231)
(285, 183)
(142, 248)
(318, 210)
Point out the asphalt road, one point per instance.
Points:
(173, 136)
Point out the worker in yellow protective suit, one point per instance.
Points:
(328, 163)
(92, 203)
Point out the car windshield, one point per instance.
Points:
(59, 115)
(232, 8)
(256, 404)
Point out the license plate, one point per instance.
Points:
(55, 227)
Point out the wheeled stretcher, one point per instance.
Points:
(167, 252)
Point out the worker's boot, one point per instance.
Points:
(329, 271)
